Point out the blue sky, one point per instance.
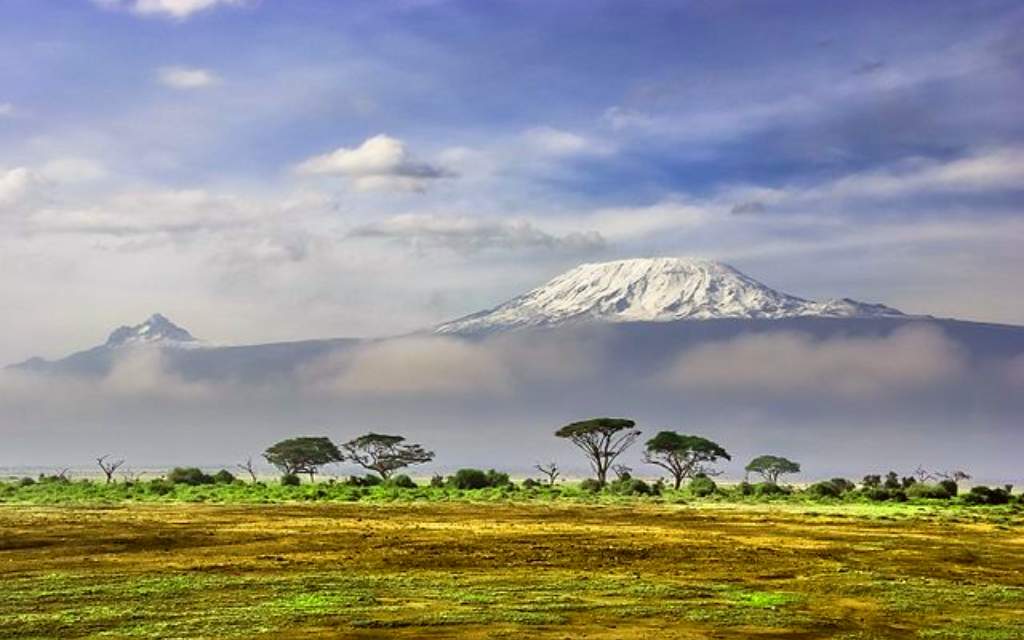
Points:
(386, 165)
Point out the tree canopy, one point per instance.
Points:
(302, 455)
(684, 456)
(602, 440)
(384, 454)
(771, 467)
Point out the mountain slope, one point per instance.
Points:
(653, 290)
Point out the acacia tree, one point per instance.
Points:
(771, 467)
(109, 467)
(302, 455)
(384, 454)
(683, 456)
(602, 440)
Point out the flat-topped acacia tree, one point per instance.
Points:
(683, 456)
(602, 440)
(384, 454)
(302, 455)
(771, 467)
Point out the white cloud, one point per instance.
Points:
(6, 109)
(15, 185)
(71, 169)
(163, 211)
(986, 170)
(464, 233)
(557, 142)
(187, 78)
(175, 9)
(983, 171)
(379, 163)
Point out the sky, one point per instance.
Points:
(263, 170)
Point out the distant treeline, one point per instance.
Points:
(689, 461)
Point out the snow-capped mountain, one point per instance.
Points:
(156, 330)
(654, 290)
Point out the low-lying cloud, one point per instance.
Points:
(411, 366)
(440, 366)
(790, 363)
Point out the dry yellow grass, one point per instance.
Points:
(463, 570)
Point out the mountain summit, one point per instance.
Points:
(653, 290)
(157, 329)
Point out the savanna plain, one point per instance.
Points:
(486, 567)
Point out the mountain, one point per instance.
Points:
(654, 290)
(184, 354)
(156, 330)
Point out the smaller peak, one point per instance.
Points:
(156, 329)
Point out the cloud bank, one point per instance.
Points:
(911, 359)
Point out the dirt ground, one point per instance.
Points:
(463, 570)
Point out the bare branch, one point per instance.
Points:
(109, 467)
(550, 470)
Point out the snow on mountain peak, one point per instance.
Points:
(157, 329)
(653, 290)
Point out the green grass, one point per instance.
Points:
(89, 492)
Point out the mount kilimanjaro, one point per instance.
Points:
(654, 290)
(640, 310)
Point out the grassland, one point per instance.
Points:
(499, 568)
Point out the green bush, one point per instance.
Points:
(702, 486)
(159, 486)
(590, 485)
(530, 483)
(290, 480)
(929, 491)
(26, 482)
(402, 481)
(189, 475)
(875, 493)
(364, 481)
(437, 481)
(873, 481)
(629, 486)
(745, 488)
(768, 489)
(223, 477)
(825, 489)
(843, 485)
(950, 486)
(469, 479)
(497, 478)
(986, 495)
